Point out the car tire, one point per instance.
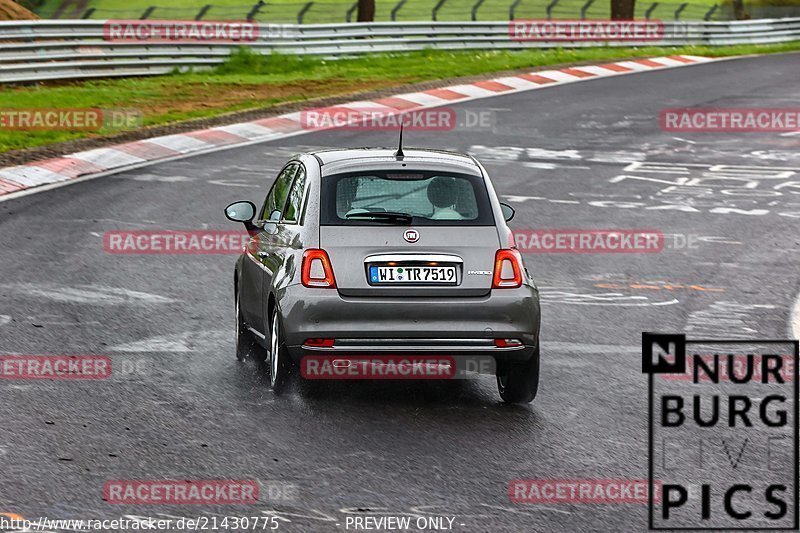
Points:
(246, 344)
(279, 362)
(519, 382)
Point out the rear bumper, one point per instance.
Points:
(463, 326)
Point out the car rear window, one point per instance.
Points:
(431, 198)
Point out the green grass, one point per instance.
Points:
(335, 10)
(249, 81)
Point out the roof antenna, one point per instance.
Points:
(399, 153)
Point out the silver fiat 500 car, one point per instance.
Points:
(371, 252)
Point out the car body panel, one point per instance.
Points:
(463, 318)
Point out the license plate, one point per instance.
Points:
(443, 275)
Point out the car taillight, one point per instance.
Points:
(507, 269)
(507, 343)
(317, 270)
(319, 343)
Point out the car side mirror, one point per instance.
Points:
(243, 212)
(508, 211)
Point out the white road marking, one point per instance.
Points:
(611, 299)
(424, 99)
(702, 59)
(107, 158)
(31, 176)
(558, 75)
(634, 66)
(517, 83)
(89, 294)
(794, 321)
(597, 70)
(667, 61)
(247, 130)
(472, 90)
(179, 143)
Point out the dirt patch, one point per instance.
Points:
(13, 11)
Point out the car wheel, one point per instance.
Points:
(279, 361)
(519, 382)
(246, 345)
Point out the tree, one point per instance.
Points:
(622, 9)
(366, 10)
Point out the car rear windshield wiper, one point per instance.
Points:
(389, 216)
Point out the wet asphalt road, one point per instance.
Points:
(181, 407)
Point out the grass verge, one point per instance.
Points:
(250, 81)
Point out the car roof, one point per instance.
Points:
(337, 161)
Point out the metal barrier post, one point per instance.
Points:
(650, 10)
(88, 13)
(202, 12)
(513, 9)
(475, 9)
(255, 9)
(147, 12)
(350, 12)
(550, 7)
(303, 11)
(680, 10)
(436, 9)
(710, 12)
(396, 8)
(585, 8)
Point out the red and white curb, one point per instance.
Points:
(15, 181)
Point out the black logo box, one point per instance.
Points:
(678, 366)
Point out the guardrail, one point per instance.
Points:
(55, 50)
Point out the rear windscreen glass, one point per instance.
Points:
(428, 198)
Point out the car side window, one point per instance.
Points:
(276, 199)
(291, 214)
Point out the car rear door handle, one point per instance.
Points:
(263, 255)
